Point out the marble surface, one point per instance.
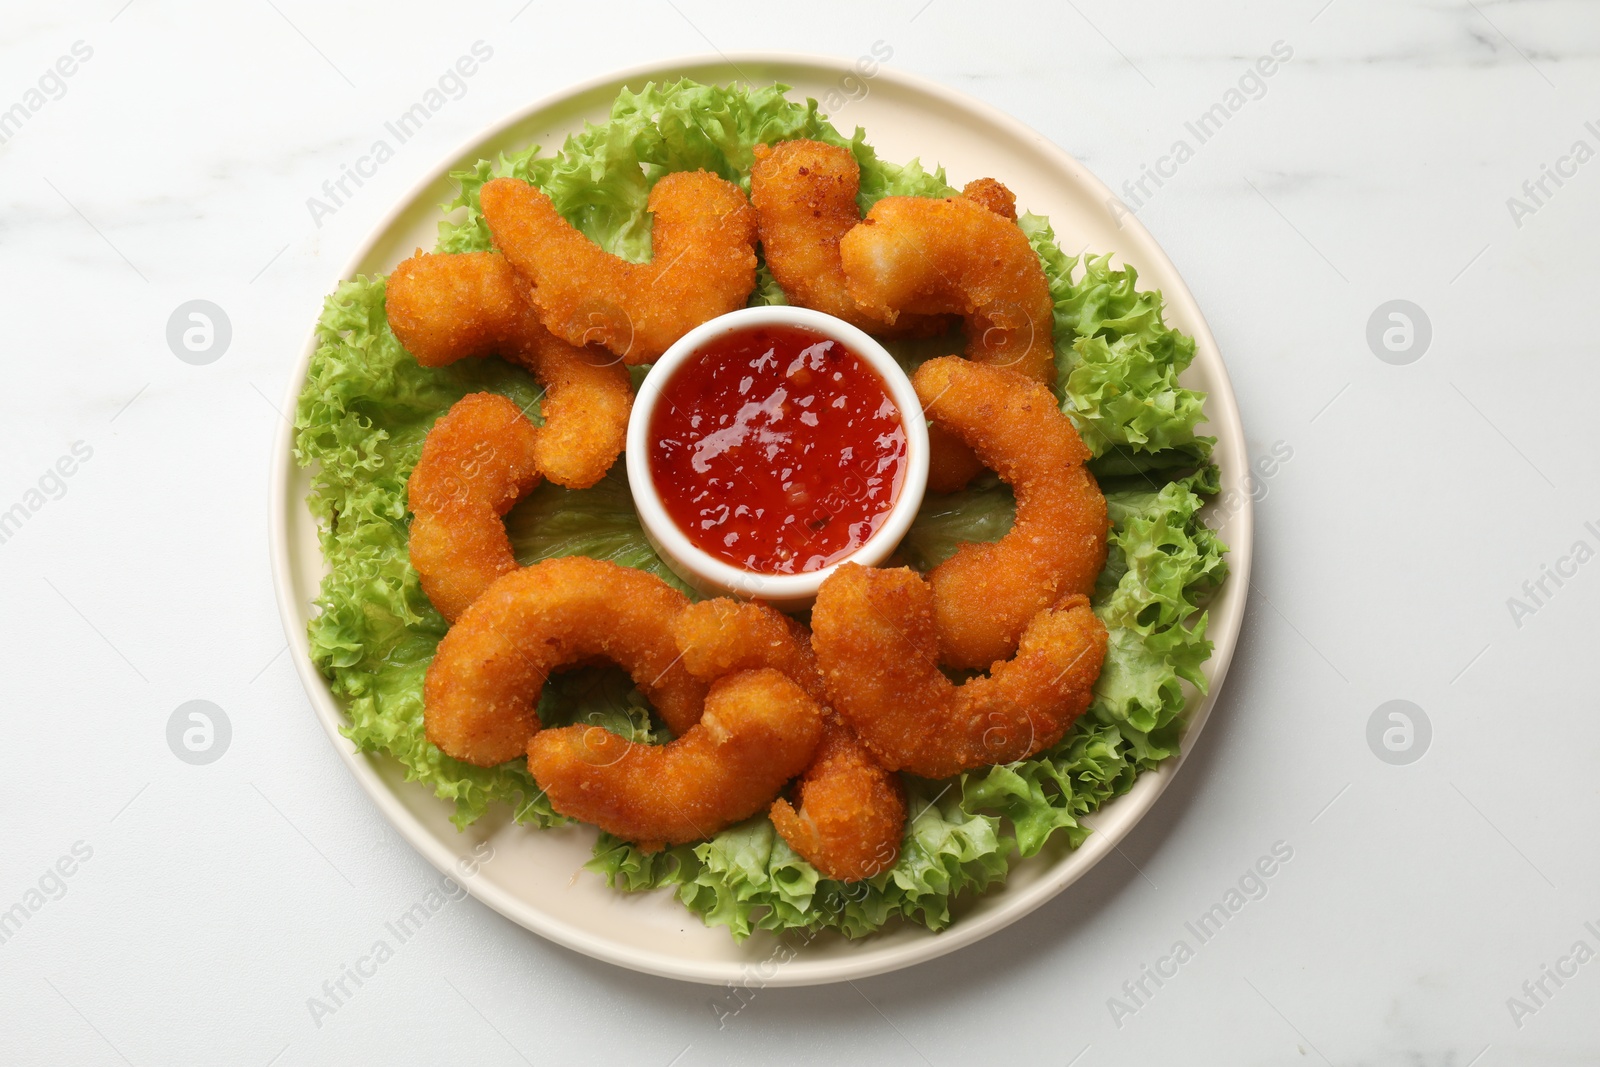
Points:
(165, 151)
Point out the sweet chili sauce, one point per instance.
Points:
(777, 449)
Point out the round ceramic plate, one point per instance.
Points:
(535, 876)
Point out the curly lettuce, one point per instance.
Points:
(748, 878)
(367, 406)
(1118, 363)
(359, 426)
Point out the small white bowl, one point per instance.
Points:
(713, 577)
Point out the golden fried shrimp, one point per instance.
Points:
(588, 396)
(951, 464)
(924, 256)
(703, 263)
(878, 645)
(758, 730)
(804, 195)
(477, 461)
(852, 812)
(446, 307)
(992, 195)
(985, 594)
(443, 307)
(724, 635)
(482, 689)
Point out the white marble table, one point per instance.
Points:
(1407, 537)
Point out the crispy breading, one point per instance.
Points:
(724, 635)
(478, 460)
(877, 644)
(758, 730)
(992, 195)
(951, 464)
(986, 593)
(446, 307)
(852, 811)
(483, 686)
(443, 307)
(804, 195)
(703, 263)
(925, 256)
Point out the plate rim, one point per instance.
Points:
(1223, 419)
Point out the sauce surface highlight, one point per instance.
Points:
(777, 449)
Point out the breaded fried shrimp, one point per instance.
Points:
(477, 461)
(588, 396)
(924, 256)
(951, 464)
(758, 730)
(724, 635)
(878, 646)
(483, 686)
(443, 307)
(992, 195)
(446, 307)
(852, 812)
(703, 263)
(986, 593)
(804, 195)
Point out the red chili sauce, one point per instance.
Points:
(777, 449)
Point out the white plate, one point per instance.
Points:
(535, 877)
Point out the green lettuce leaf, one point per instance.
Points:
(747, 878)
(598, 522)
(1118, 363)
(983, 511)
